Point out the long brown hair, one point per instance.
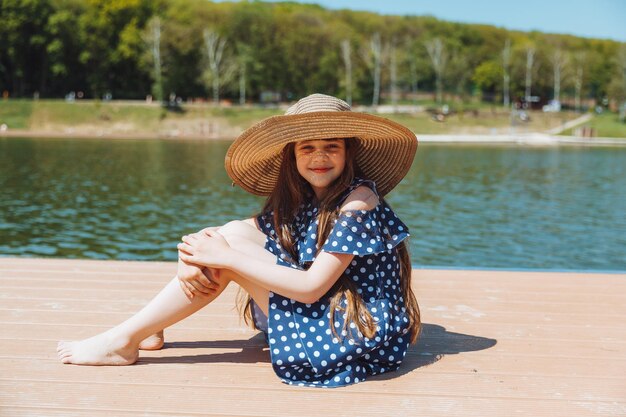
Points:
(290, 192)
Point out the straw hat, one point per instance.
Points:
(385, 153)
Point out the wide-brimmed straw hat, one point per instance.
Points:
(385, 149)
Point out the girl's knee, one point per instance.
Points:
(237, 230)
(247, 239)
(234, 226)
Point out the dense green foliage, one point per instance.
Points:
(52, 47)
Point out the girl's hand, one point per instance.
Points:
(195, 279)
(205, 230)
(206, 249)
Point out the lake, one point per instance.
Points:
(467, 206)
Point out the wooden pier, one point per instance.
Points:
(494, 343)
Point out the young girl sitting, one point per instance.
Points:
(325, 264)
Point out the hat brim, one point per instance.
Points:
(385, 153)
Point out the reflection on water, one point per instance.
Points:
(467, 206)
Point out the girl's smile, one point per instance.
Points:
(320, 162)
(320, 170)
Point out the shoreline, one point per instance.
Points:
(529, 139)
(416, 267)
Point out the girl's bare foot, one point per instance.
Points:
(154, 342)
(107, 348)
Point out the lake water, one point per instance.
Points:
(556, 208)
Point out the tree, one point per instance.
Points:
(373, 58)
(56, 46)
(153, 39)
(506, 65)
(413, 76)
(24, 36)
(347, 61)
(617, 87)
(439, 58)
(214, 48)
(183, 55)
(559, 60)
(460, 71)
(579, 59)
(487, 77)
(416, 60)
(393, 74)
(530, 57)
(113, 47)
(244, 59)
(65, 72)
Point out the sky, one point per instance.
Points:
(603, 19)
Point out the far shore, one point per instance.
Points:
(531, 139)
(483, 124)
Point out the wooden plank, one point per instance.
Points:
(430, 306)
(484, 362)
(494, 343)
(609, 322)
(483, 281)
(467, 384)
(571, 302)
(34, 411)
(345, 402)
(437, 346)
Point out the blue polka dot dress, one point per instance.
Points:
(303, 349)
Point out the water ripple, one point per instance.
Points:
(466, 206)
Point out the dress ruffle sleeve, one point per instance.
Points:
(366, 232)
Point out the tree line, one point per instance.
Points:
(248, 51)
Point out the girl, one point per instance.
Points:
(325, 264)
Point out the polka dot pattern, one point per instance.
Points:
(303, 348)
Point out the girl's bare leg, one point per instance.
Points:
(119, 345)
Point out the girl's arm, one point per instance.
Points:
(211, 249)
(304, 286)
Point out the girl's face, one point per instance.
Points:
(320, 162)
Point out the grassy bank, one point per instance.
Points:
(126, 118)
(16, 113)
(481, 121)
(606, 125)
(95, 118)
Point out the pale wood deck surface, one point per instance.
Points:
(494, 344)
